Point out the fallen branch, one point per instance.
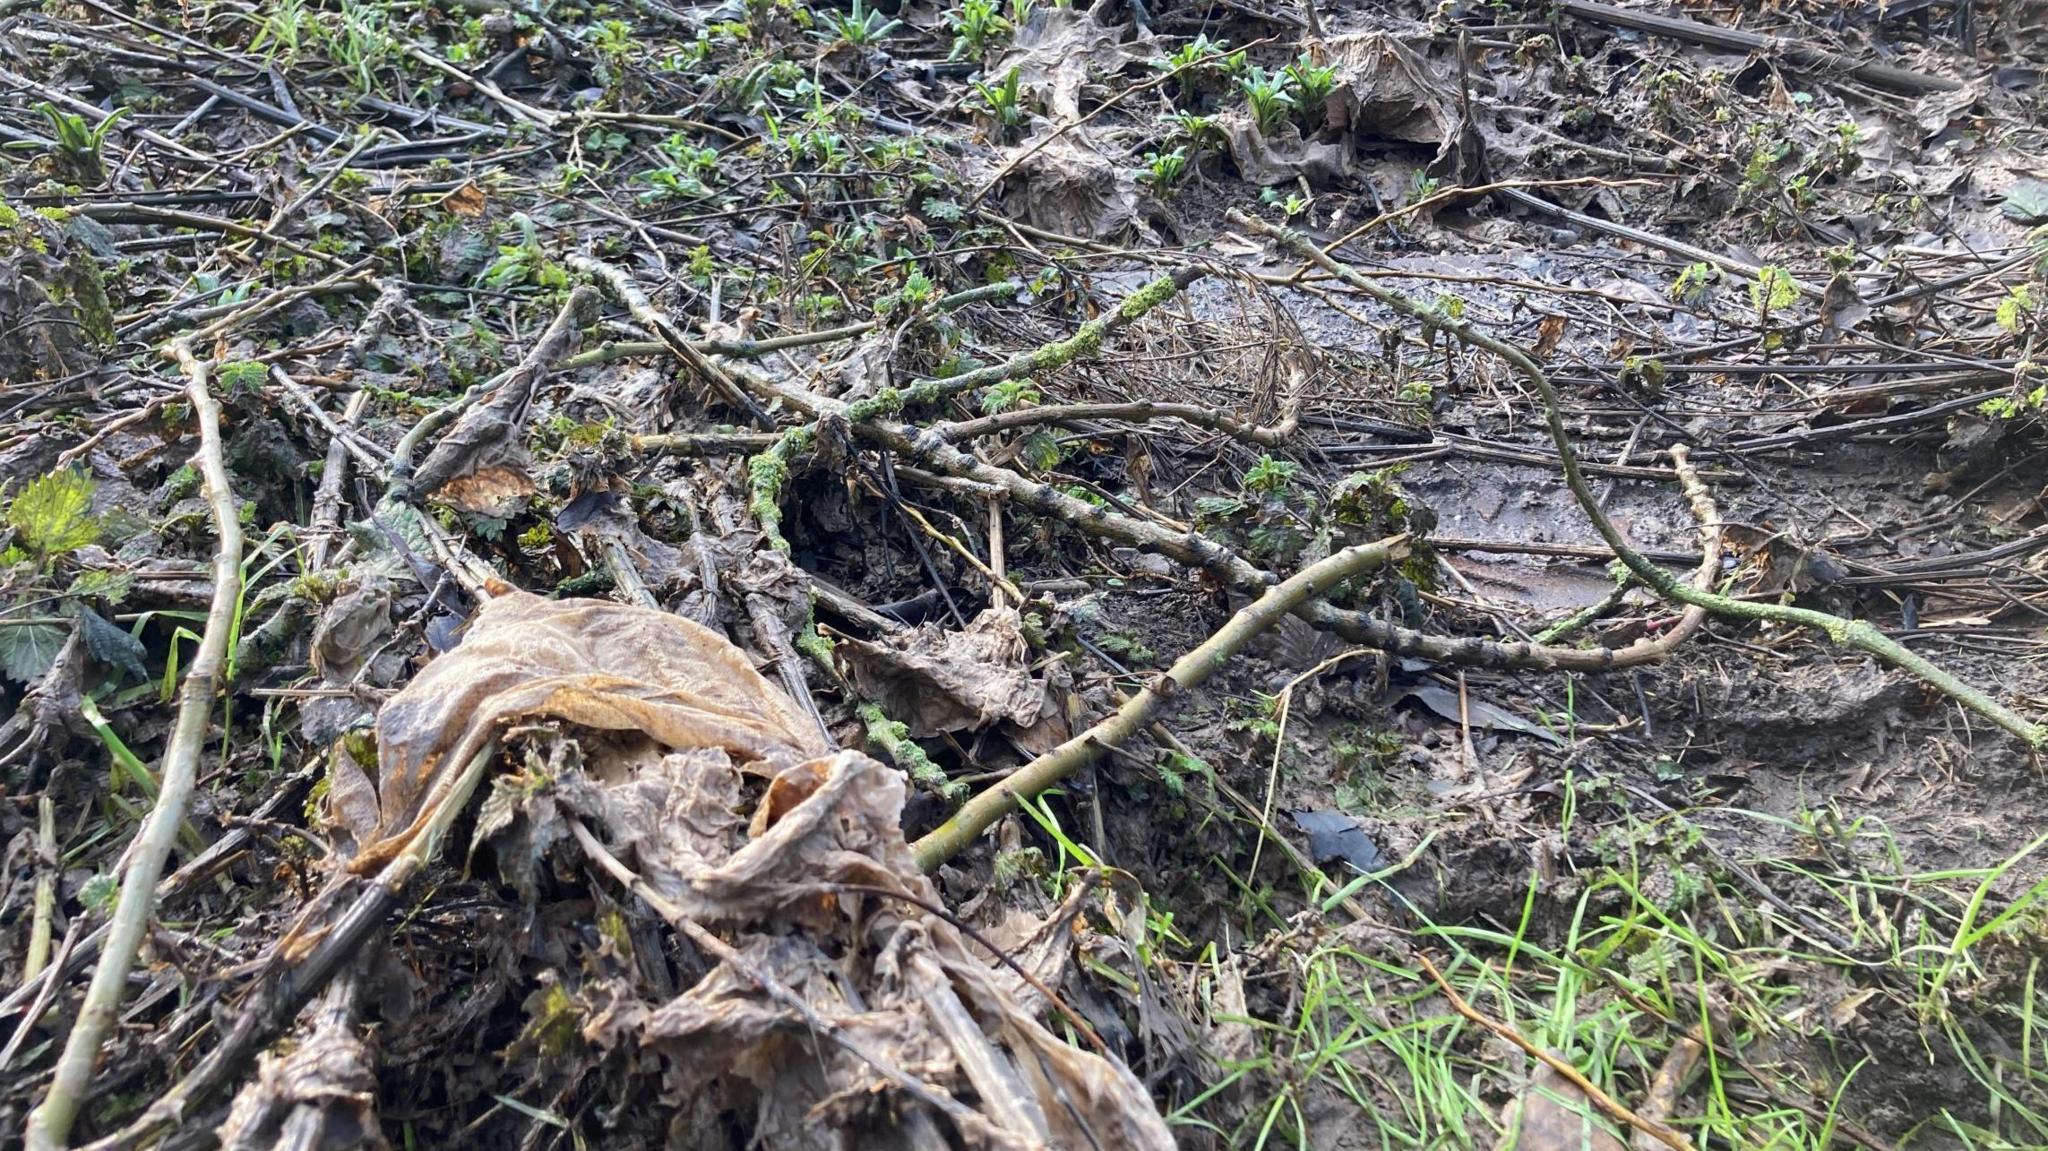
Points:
(769, 471)
(607, 352)
(1666, 244)
(49, 1126)
(925, 446)
(627, 291)
(1857, 634)
(1188, 672)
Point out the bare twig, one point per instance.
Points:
(627, 291)
(50, 1124)
(1732, 39)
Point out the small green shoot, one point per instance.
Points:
(979, 27)
(1163, 169)
(862, 27)
(1004, 102)
(1268, 96)
(79, 142)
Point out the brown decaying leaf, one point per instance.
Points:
(1058, 49)
(1069, 187)
(785, 891)
(937, 680)
(321, 1095)
(598, 665)
(1385, 91)
(480, 464)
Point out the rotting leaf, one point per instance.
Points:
(1385, 91)
(937, 680)
(789, 892)
(1058, 49)
(1069, 187)
(1444, 702)
(598, 665)
(1279, 156)
(479, 466)
(53, 299)
(320, 1096)
(1335, 836)
(2026, 202)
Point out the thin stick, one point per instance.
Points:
(1002, 798)
(921, 445)
(49, 1126)
(1857, 634)
(627, 291)
(1601, 1099)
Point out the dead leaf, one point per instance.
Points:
(1444, 702)
(53, 302)
(597, 665)
(1841, 308)
(937, 680)
(1059, 50)
(1549, 331)
(1385, 91)
(467, 200)
(321, 1095)
(1069, 188)
(1280, 157)
(480, 464)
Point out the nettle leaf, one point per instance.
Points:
(27, 650)
(101, 584)
(53, 514)
(2026, 202)
(1041, 450)
(113, 645)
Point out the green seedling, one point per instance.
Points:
(978, 27)
(1163, 169)
(1268, 95)
(79, 142)
(1313, 85)
(1003, 102)
(862, 27)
